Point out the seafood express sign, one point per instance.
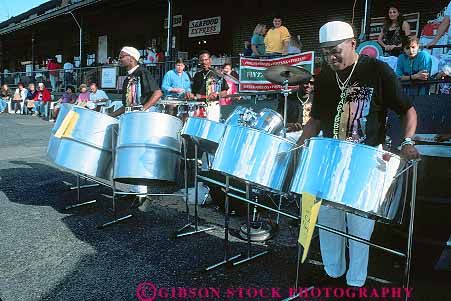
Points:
(204, 27)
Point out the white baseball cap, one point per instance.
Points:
(333, 33)
(132, 51)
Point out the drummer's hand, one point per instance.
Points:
(409, 152)
(442, 137)
(213, 96)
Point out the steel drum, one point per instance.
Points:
(242, 116)
(255, 156)
(54, 142)
(88, 149)
(269, 121)
(206, 133)
(148, 149)
(354, 177)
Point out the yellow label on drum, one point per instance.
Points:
(71, 125)
(67, 126)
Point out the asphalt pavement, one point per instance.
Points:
(49, 253)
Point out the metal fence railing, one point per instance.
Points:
(58, 80)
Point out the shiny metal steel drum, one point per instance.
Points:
(54, 142)
(255, 157)
(269, 121)
(354, 177)
(148, 149)
(88, 149)
(242, 116)
(206, 133)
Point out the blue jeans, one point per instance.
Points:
(2, 105)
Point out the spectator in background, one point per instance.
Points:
(232, 82)
(5, 97)
(160, 55)
(151, 56)
(52, 67)
(176, 82)
(295, 45)
(43, 97)
(277, 38)
(20, 96)
(444, 30)
(258, 40)
(97, 97)
(393, 32)
(83, 97)
(247, 49)
(414, 65)
(68, 73)
(67, 97)
(32, 105)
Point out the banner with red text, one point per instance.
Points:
(251, 70)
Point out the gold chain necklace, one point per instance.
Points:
(343, 88)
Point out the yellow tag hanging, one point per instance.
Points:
(67, 126)
(310, 211)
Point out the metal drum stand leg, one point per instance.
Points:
(249, 257)
(78, 187)
(113, 187)
(227, 259)
(195, 226)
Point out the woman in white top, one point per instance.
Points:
(20, 96)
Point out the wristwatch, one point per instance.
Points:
(407, 141)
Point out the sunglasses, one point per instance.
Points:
(310, 83)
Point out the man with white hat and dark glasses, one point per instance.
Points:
(351, 99)
(139, 88)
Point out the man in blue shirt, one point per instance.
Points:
(97, 97)
(176, 82)
(414, 65)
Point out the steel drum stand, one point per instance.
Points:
(195, 226)
(78, 187)
(249, 257)
(227, 258)
(407, 255)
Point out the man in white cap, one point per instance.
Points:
(351, 98)
(139, 88)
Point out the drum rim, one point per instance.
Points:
(153, 113)
(262, 132)
(357, 144)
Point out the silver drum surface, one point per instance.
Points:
(354, 177)
(206, 133)
(269, 121)
(89, 148)
(54, 142)
(255, 156)
(148, 149)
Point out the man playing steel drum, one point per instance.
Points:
(139, 89)
(351, 98)
(209, 84)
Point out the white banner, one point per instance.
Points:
(204, 27)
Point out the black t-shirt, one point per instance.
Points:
(207, 81)
(138, 87)
(372, 90)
